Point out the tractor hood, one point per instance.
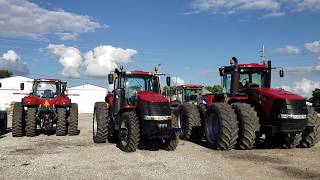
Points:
(34, 100)
(271, 93)
(148, 96)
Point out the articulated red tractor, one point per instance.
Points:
(187, 96)
(134, 111)
(250, 108)
(47, 105)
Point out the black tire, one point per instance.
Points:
(311, 134)
(31, 123)
(189, 119)
(61, 127)
(129, 133)
(248, 122)
(3, 121)
(221, 126)
(73, 120)
(100, 122)
(171, 143)
(18, 120)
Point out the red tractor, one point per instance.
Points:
(187, 96)
(135, 110)
(250, 109)
(47, 105)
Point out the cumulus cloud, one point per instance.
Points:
(103, 59)
(303, 87)
(313, 47)
(69, 57)
(11, 61)
(24, 19)
(289, 49)
(269, 8)
(177, 81)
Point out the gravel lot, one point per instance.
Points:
(76, 157)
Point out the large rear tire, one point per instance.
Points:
(100, 122)
(61, 128)
(73, 120)
(129, 133)
(3, 121)
(31, 123)
(190, 121)
(221, 126)
(311, 134)
(248, 122)
(17, 120)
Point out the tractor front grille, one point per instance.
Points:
(154, 108)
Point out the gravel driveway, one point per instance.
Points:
(76, 157)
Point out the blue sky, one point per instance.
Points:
(190, 39)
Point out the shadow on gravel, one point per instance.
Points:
(298, 173)
(249, 156)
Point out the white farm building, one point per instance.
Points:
(85, 95)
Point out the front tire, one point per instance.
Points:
(31, 123)
(221, 126)
(61, 128)
(188, 118)
(73, 120)
(100, 122)
(311, 134)
(129, 133)
(17, 120)
(248, 125)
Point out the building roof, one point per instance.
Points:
(87, 87)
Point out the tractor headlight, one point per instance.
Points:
(292, 116)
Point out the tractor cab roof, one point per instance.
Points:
(190, 86)
(47, 80)
(139, 72)
(252, 66)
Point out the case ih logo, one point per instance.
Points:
(46, 103)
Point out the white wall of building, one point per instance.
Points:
(10, 90)
(85, 95)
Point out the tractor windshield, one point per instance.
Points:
(192, 94)
(248, 78)
(45, 89)
(134, 84)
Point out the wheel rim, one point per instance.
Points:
(124, 133)
(95, 124)
(212, 127)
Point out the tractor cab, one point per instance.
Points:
(189, 93)
(48, 88)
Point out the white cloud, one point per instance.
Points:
(11, 61)
(303, 87)
(11, 55)
(103, 59)
(289, 49)
(269, 8)
(313, 47)
(24, 19)
(176, 81)
(69, 57)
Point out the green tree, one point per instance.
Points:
(5, 74)
(215, 89)
(169, 91)
(315, 99)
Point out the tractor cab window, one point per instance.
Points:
(134, 84)
(227, 83)
(250, 78)
(192, 94)
(46, 89)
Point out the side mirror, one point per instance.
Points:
(21, 86)
(110, 78)
(221, 72)
(168, 79)
(64, 87)
(281, 73)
